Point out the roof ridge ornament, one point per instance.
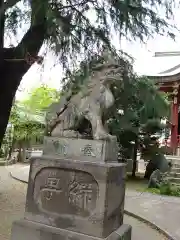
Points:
(167, 54)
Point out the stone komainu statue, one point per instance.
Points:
(81, 115)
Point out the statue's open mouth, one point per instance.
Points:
(113, 74)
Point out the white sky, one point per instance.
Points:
(145, 63)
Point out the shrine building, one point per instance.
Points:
(168, 81)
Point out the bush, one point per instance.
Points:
(166, 150)
(166, 189)
(1, 153)
(153, 190)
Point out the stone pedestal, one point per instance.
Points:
(27, 230)
(81, 149)
(74, 197)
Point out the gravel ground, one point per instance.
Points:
(141, 231)
(12, 199)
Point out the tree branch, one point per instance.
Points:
(4, 6)
(33, 39)
(2, 22)
(8, 4)
(31, 42)
(18, 61)
(8, 53)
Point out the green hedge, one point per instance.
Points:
(5, 163)
(166, 189)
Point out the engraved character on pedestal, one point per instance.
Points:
(66, 192)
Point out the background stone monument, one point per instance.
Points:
(76, 189)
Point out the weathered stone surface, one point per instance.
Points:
(78, 187)
(85, 197)
(28, 230)
(81, 149)
(82, 113)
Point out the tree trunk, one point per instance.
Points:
(11, 74)
(13, 60)
(22, 152)
(19, 152)
(7, 94)
(135, 158)
(12, 71)
(11, 149)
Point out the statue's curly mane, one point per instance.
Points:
(87, 101)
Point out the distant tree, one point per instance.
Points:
(27, 128)
(138, 108)
(28, 118)
(40, 98)
(143, 107)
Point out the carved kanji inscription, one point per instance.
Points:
(62, 191)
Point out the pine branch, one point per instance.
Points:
(6, 5)
(31, 42)
(2, 21)
(33, 39)
(19, 59)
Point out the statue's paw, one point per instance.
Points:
(71, 134)
(112, 137)
(65, 133)
(57, 132)
(104, 136)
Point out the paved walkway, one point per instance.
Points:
(12, 199)
(12, 202)
(162, 211)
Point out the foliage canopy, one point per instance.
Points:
(28, 116)
(139, 106)
(72, 27)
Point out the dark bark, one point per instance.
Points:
(22, 151)
(2, 22)
(11, 149)
(157, 161)
(11, 70)
(150, 168)
(8, 4)
(135, 158)
(7, 93)
(19, 152)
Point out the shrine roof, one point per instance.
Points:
(163, 69)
